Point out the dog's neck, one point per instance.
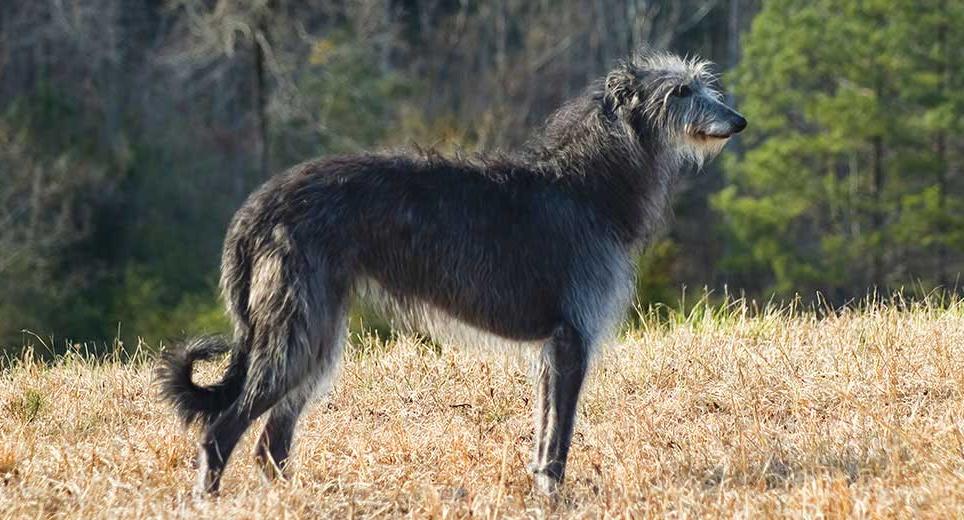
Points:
(629, 180)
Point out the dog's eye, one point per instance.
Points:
(682, 91)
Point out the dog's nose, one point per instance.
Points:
(739, 123)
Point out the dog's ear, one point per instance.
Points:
(622, 87)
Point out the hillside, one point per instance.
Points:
(722, 412)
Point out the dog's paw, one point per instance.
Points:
(208, 482)
(545, 485)
(202, 493)
(270, 470)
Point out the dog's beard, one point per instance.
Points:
(699, 149)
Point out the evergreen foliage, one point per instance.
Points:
(847, 181)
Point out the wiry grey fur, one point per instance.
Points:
(536, 245)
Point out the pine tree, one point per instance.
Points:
(839, 188)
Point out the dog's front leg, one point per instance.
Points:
(562, 368)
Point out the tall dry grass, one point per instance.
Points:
(719, 412)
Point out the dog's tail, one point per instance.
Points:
(201, 403)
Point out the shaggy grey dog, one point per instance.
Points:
(532, 246)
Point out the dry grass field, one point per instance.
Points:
(723, 412)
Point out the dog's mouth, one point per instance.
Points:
(706, 136)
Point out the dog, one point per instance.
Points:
(537, 245)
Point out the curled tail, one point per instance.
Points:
(200, 403)
(195, 403)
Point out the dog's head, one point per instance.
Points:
(667, 97)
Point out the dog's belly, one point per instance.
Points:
(524, 314)
(519, 312)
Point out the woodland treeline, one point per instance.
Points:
(130, 130)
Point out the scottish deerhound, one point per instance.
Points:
(537, 245)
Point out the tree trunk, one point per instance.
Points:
(943, 165)
(733, 38)
(876, 212)
(261, 101)
(733, 55)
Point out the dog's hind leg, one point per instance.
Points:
(562, 369)
(289, 305)
(221, 436)
(274, 445)
(270, 380)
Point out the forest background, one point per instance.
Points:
(130, 131)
